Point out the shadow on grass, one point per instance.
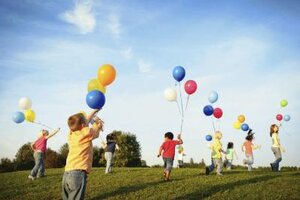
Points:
(223, 187)
(132, 188)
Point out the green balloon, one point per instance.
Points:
(283, 103)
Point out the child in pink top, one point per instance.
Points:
(248, 148)
(39, 147)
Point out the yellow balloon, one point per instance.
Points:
(237, 125)
(106, 74)
(241, 118)
(29, 115)
(94, 84)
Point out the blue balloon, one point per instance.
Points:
(179, 73)
(213, 97)
(287, 118)
(95, 99)
(208, 110)
(208, 137)
(18, 117)
(245, 127)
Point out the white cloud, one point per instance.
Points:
(144, 67)
(81, 16)
(114, 24)
(127, 53)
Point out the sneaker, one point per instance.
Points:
(272, 166)
(206, 170)
(219, 174)
(31, 177)
(244, 161)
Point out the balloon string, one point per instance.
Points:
(39, 123)
(187, 102)
(178, 107)
(182, 113)
(212, 121)
(285, 131)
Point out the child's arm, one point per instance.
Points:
(91, 115)
(98, 127)
(235, 154)
(254, 147)
(53, 133)
(159, 152)
(32, 146)
(243, 148)
(179, 138)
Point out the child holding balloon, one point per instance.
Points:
(276, 147)
(80, 156)
(230, 154)
(39, 147)
(168, 149)
(216, 155)
(248, 148)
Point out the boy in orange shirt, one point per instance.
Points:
(80, 156)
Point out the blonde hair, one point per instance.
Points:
(43, 133)
(218, 135)
(76, 122)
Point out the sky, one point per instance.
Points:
(247, 51)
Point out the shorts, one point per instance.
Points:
(168, 164)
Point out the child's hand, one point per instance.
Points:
(58, 129)
(158, 155)
(179, 136)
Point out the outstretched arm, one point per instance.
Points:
(99, 127)
(53, 133)
(91, 115)
(179, 138)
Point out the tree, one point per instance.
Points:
(97, 153)
(63, 154)
(24, 158)
(51, 159)
(144, 163)
(6, 165)
(129, 154)
(191, 161)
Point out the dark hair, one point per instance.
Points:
(169, 135)
(230, 145)
(272, 129)
(76, 121)
(249, 137)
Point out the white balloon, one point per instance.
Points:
(25, 103)
(170, 94)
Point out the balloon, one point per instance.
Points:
(245, 127)
(279, 117)
(190, 87)
(218, 113)
(18, 117)
(178, 73)
(208, 110)
(241, 118)
(94, 84)
(95, 99)
(208, 137)
(29, 115)
(25, 103)
(287, 118)
(170, 94)
(106, 74)
(213, 97)
(237, 125)
(283, 103)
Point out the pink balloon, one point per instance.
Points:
(218, 113)
(279, 117)
(190, 87)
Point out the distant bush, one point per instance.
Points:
(6, 165)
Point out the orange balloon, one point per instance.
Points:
(106, 74)
(241, 118)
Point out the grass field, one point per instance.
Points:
(147, 183)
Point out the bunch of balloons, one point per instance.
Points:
(190, 87)
(209, 110)
(240, 123)
(28, 115)
(95, 98)
(279, 117)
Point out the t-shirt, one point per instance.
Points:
(275, 140)
(229, 154)
(169, 148)
(248, 146)
(80, 150)
(111, 147)
(216, 149)
(41, 144)
(180, 156)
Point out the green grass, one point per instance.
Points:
(146, 183)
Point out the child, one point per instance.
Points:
(276, 147)
(39, 147)
(230, 153)
(80, 156)
(216, 156)
(248, 148)
(110, 148)
(168, 148)
(180, 156)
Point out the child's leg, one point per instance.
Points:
(169, 165)
(229, 164)
(219, 164)
(107, 156)
(41, 171)
(212, 166)
(74, 185)
(278, 158)
(250, 162)
(36, 167)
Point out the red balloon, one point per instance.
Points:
(190, 87)
(279, 117)
(218, 113)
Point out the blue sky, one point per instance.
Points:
(248, 51)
